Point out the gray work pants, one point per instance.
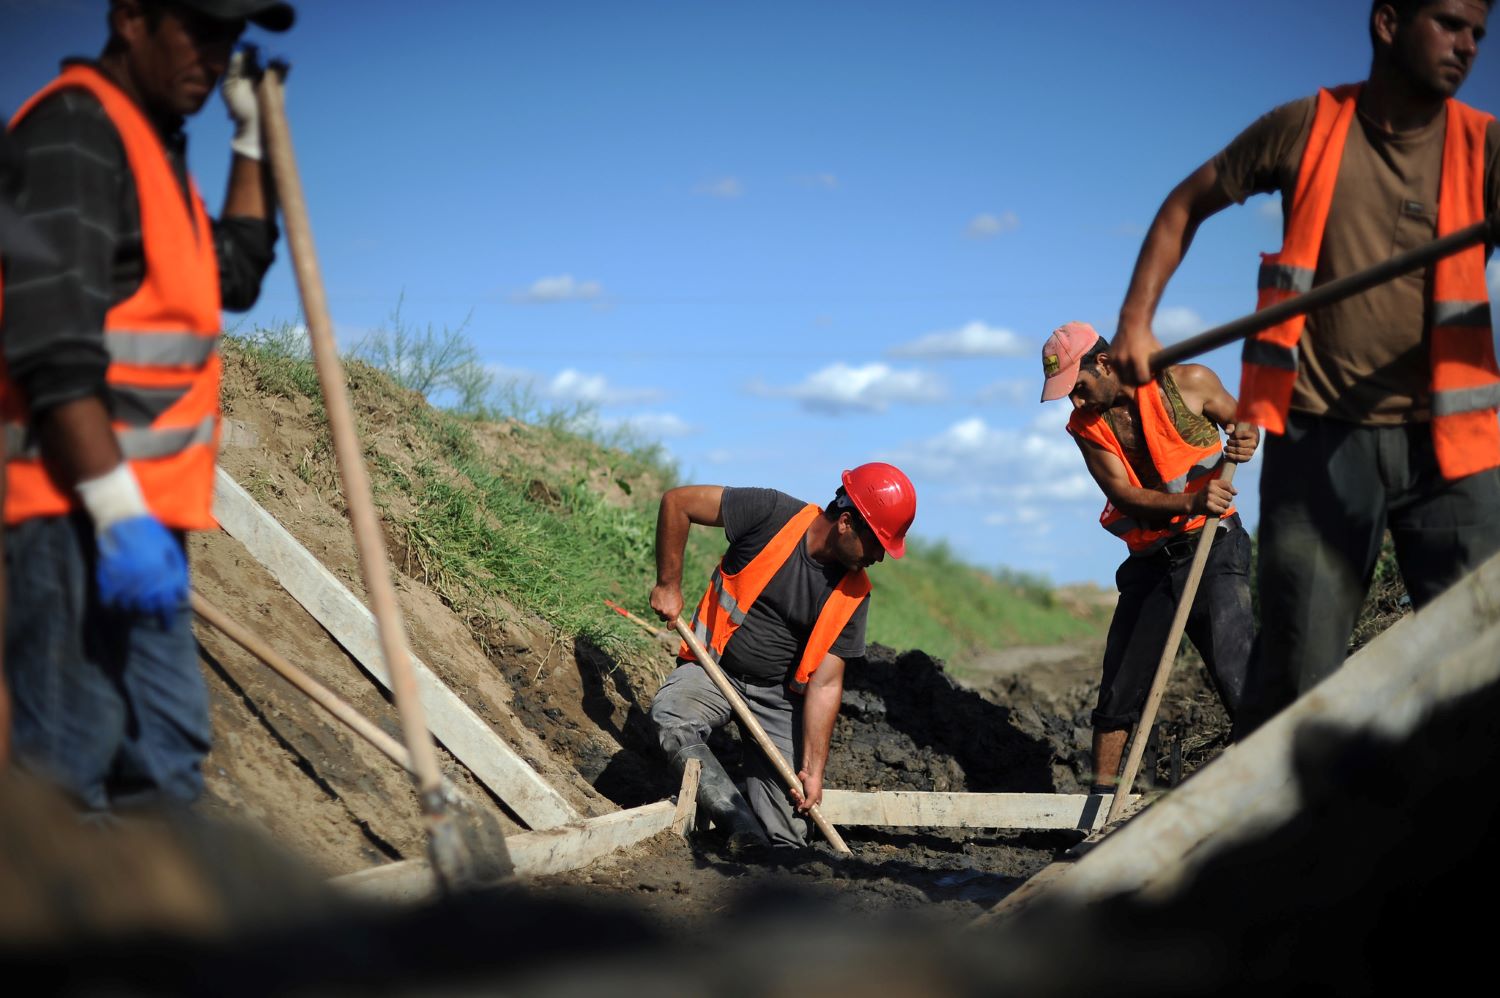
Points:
(1328, 492)
(689, 706)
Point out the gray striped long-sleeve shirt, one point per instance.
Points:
(80, 195)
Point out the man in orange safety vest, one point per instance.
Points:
(1154, 451)
(1381, 409)
(109, 394)
(784, 610)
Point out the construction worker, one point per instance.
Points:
(1154, 450)
(783, 611)
(111, 395)
(1382, 408)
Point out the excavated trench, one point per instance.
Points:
(905, 724)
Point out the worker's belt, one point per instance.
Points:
(1182, 547)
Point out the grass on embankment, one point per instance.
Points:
(555, 522)
(933, 601)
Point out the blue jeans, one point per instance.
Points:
(109, 706)
(1220, 623)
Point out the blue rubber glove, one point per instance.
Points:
(141, 565)
(142, 569)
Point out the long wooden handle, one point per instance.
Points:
(1326, 294)
(1164, 665)
(757, 733)
(356, 482)
(316, 691)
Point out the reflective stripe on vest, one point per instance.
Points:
(136, 444)
(159, 349)
(1465, 383)
(728, 599)
(1181, 466)
(163, 378)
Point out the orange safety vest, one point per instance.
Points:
(1181, 466)
(728, 599)
(163, 375)
(1465, 381)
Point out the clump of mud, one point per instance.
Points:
(906, 725)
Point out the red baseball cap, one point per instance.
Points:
(1061, 356)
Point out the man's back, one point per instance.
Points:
(769, 643)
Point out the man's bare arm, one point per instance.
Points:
(1148, 504)
(77, 440)
(249, 193)
(680, 509)
(820, 709)
(1190, 203)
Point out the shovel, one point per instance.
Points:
(1164, 664)
(453, 863)
(758, 733)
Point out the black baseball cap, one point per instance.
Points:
(268, 14)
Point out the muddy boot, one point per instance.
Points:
(721, 800)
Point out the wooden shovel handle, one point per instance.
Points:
(351, 466)
(1164, 664)
(758, 733)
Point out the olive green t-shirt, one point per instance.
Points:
(1365, 359)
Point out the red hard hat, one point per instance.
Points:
(885, 498)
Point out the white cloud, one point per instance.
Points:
(1177, 323)
(1025, 479)
(984, 458)
(987, 226)
(840, 388)
(974, 339)
(721, 187)
(1269, 208)
(563, 287)
(653, 425)
(594, 389)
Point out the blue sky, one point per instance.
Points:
(783, 238)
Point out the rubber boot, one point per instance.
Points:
(721, 799)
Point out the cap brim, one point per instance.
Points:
(895, 549)
(1061, 383)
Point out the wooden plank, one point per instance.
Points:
(463, 732)
(1448, 649)
(687, 798)
(535, 854)
(909, 808)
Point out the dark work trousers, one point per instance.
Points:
(689, 706)
(1328, 492)
(1220, 624)
(109, 706)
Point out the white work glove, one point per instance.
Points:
(238, 90)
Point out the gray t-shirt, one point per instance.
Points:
(769, 644)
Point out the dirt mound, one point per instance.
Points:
(905, 725)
